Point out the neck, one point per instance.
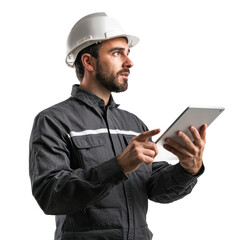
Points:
(99, 91)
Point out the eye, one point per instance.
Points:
(116, 54)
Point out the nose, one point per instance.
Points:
(127, 63)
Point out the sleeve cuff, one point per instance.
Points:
(182, 176)
(111, 173)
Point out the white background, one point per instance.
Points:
(189, 54)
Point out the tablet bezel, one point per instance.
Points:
(192, 116)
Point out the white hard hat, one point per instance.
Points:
(92, 29)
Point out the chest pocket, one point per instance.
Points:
(89, 151)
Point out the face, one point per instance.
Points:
(113, 65)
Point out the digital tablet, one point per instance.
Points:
(191, 116)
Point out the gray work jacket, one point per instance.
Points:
(75, 174)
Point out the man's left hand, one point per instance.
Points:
(189, 152)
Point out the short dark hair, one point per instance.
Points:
(93, 50)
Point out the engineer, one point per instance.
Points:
(92, 163)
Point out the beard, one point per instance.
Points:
(109, 80)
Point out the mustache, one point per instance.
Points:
(126, 70)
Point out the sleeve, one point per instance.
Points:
(169, 183)
(58, 189)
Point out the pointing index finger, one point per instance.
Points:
(144, 136)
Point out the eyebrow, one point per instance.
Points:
(118, 49)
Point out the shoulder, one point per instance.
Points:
(63, 109)
(57, 108)
(60, 114)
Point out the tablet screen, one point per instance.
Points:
(191, 116)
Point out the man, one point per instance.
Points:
(91, 163)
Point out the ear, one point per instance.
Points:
(87, 61)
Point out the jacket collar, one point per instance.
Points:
(90, 98)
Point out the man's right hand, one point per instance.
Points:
(138, 151)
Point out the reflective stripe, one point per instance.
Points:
(117, 131)
(102, 130)
(88, 132)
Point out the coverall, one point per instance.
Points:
(75, 174)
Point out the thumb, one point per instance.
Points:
(144, 136)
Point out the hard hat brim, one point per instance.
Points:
(72, 55)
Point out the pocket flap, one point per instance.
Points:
(88, 141)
